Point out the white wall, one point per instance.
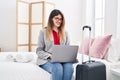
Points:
(111, 17)
(8, 25)
(71, 9)
(118, 20)
(74, 12)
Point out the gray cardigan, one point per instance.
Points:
(44, 45)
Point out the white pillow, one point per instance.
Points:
(113, 54)
(24, 58)
(18, 56)
(6, 56)
(10, 57)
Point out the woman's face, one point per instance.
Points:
(57, 20)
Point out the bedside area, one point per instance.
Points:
(115, 72)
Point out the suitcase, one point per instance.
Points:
(90, 70)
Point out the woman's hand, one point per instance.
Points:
(50, 57)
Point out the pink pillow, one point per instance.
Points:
(85, 45)
(100, 46)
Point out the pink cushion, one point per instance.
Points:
(100, 46)
(85, 45)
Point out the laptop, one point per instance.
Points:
(64, 53)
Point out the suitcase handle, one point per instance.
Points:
(87, 27)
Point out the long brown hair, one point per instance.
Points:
(61, 29)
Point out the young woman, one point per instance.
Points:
(54, 34)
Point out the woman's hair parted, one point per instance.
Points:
(50, 25)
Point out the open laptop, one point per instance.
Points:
(64, 53)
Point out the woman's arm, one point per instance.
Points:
(40, 51)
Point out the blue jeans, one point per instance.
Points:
(59, 71)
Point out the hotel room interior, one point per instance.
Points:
(21, 21)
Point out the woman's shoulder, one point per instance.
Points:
(43, 30)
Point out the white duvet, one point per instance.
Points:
(10, 70)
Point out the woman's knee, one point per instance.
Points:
(47, 66)
(68, 66)
(57, 67)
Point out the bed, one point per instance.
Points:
(11, 69)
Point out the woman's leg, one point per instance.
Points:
(47, 66)
(68, 71)
(57, 71)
